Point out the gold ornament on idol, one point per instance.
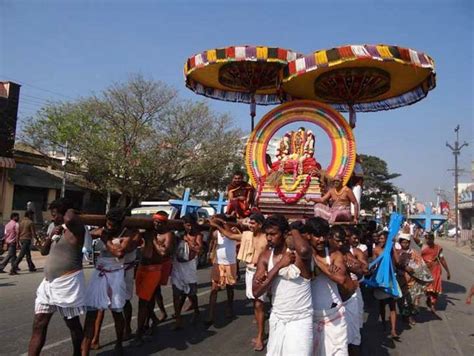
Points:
(292, 187)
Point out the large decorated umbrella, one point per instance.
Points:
(246, 74)
(361, 77)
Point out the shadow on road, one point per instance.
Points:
(8, 284)
(451, 287)
(165, 338)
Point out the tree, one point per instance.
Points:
(378, 189)
(139, 139)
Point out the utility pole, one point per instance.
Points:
(456, 150)
(438, 193)
(63, 187)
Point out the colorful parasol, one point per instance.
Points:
(245, 74)
(361, 77)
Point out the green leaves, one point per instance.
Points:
(139, 139)
(378, 189)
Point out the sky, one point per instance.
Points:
(62, 50)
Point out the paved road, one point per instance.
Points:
(453, 335)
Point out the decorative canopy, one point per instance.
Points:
(361, 77)
(246, 74)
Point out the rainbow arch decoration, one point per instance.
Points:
(333, 124)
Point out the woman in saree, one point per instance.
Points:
(433, 256)
(413, 276)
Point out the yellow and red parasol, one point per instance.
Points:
(361, 77)
(245, 74)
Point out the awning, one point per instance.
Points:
(6, 162)
(39, 177)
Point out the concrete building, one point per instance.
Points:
(30, 176)
(37, 178)
(466, 211)
(404, 203)
(9, 97)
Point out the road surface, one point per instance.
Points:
(453, 335)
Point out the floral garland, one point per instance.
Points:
(261, 183)
(298, 196)
(294, 186)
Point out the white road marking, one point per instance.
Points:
(108, 326)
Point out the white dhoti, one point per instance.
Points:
(129, 267)
(184, 275)
(360, 300)
(353, 320)
(249, 273)
(65, 294)
(106, 288)
(330, 332)
(290, 337)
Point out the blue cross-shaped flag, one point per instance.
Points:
(428, 220)
(219, 204)
(186, 205)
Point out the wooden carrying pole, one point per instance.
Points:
(142, 222)
(131, 222)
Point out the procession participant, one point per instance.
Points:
(156, 251)
(353, 301)
(184, 271)
(287, 272)
(106, 288)
(26, 234)
(240, 196)
(129, 262)
(359, 251)
(383, 298)
(330, 326)
(366, 237)
(469, 295)
(11, 240)
(224, 268)
(252, 243)
(433, 256)
(412, 276)
(341, 198)
(63, 287)
(129, 266)
(356, 245)
(165, 240)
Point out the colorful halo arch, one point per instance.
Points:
(332, 122)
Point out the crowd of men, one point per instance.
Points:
(309, 272)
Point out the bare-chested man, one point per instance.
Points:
(166, 242)
(357, 266)
(330, 278)
(107, 288)
(155, 253)
(184, 272)
(252, 244)
(129, 260)
(288, 273)
(340, 198)
(63, 287)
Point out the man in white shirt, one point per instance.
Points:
(224, 269)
